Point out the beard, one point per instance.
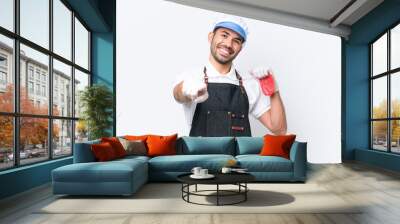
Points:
(219, 58)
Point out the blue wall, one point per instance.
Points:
(99, 15)
(356, 84)
(102, 58)
(102, 63)
(103, 52)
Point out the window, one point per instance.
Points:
(395, 47)
(62, 75)
(3, 78)
(7, 14)
(81, 45)
(30, 88)
(3, 83)
(37, 75)
(30, 72)
(35, 21)
(44, 91)
(6, 72)
(385, 92)
(43, 77)
(6, 142)
(62, 137)
(81, 81)
(3, 61)
(62, 29)
(37, 89)
(33, 148)
(45, 131)
(3, 72)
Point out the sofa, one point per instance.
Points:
(126, 175)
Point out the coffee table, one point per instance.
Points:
(238, 179)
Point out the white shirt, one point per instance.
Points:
(258, 102)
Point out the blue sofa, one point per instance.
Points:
(125, 176)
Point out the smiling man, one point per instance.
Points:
(217, 100)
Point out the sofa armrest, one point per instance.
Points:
(298, 155)
(83, 152)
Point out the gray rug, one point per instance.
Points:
(166, 198)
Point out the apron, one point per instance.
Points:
(224, 113)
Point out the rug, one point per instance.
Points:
(167, 198)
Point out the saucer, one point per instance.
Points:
(208, 176)
(240, 171)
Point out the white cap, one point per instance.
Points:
(234, 23)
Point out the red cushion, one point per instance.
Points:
(161, 145)
(116, 145)
(277, 145)
(103, 151)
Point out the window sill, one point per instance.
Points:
(26, 167)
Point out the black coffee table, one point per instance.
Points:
(238, 179)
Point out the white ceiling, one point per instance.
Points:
(316, 15)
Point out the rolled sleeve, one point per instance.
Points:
(259, 103)
(261, 106)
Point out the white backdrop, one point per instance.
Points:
(156, 40)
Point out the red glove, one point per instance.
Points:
(267, 81)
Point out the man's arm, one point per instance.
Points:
(178, 94)
(199, 95)
(275, 118)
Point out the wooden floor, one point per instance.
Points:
(377, 188)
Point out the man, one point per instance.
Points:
(217, 99)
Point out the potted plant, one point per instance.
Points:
(96, 102)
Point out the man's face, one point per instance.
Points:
(225, 45)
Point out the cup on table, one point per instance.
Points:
(196, 171)
(226, 170)
(203, 172)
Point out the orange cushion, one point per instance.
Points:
(161, 145)
(103, 151)
(277, 145)
(116, 145)
(135, 138)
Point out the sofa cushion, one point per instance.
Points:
(111, 171)
(207, 145)
(277, 145)
(103, 152)
(257, 163)
(185, 163)
(83, 152)
(134, 147)
(161, 145)
(133, 157)
(116, 145)
(136, 137)
(249, 145)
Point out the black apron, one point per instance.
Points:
(224, 113)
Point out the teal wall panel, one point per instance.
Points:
(356, 127)
(376, 158)
(357, 99)
(103, 63)
(24, 178)
(102, 59)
